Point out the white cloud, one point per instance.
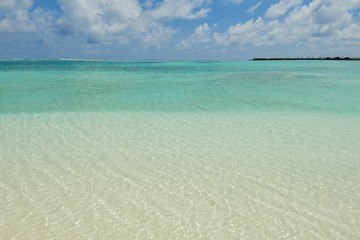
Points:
(320, 19)
(280, 8)
(15, 4)
(253, 32)
(14, 16)
(182, 9)
(252, 9)
(234, 1)
(17, 21)
(122, 21)
(320, 23)
(99, 17)
(201, 35)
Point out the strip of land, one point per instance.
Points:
(308, 58)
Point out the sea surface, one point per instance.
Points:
(179, 150)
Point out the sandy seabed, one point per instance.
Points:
(179, 176)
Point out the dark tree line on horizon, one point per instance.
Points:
(307, 58)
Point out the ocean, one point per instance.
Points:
(179, 150)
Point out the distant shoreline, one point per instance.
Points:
(308, 58)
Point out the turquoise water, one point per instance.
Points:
(64, 86)
(179, 150)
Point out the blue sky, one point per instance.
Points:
(178, 29)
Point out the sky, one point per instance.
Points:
(178, 29)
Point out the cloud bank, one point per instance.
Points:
(321, 21)
(121, 21)
(152, 24)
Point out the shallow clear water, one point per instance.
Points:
(179, 150)
(53, 86)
